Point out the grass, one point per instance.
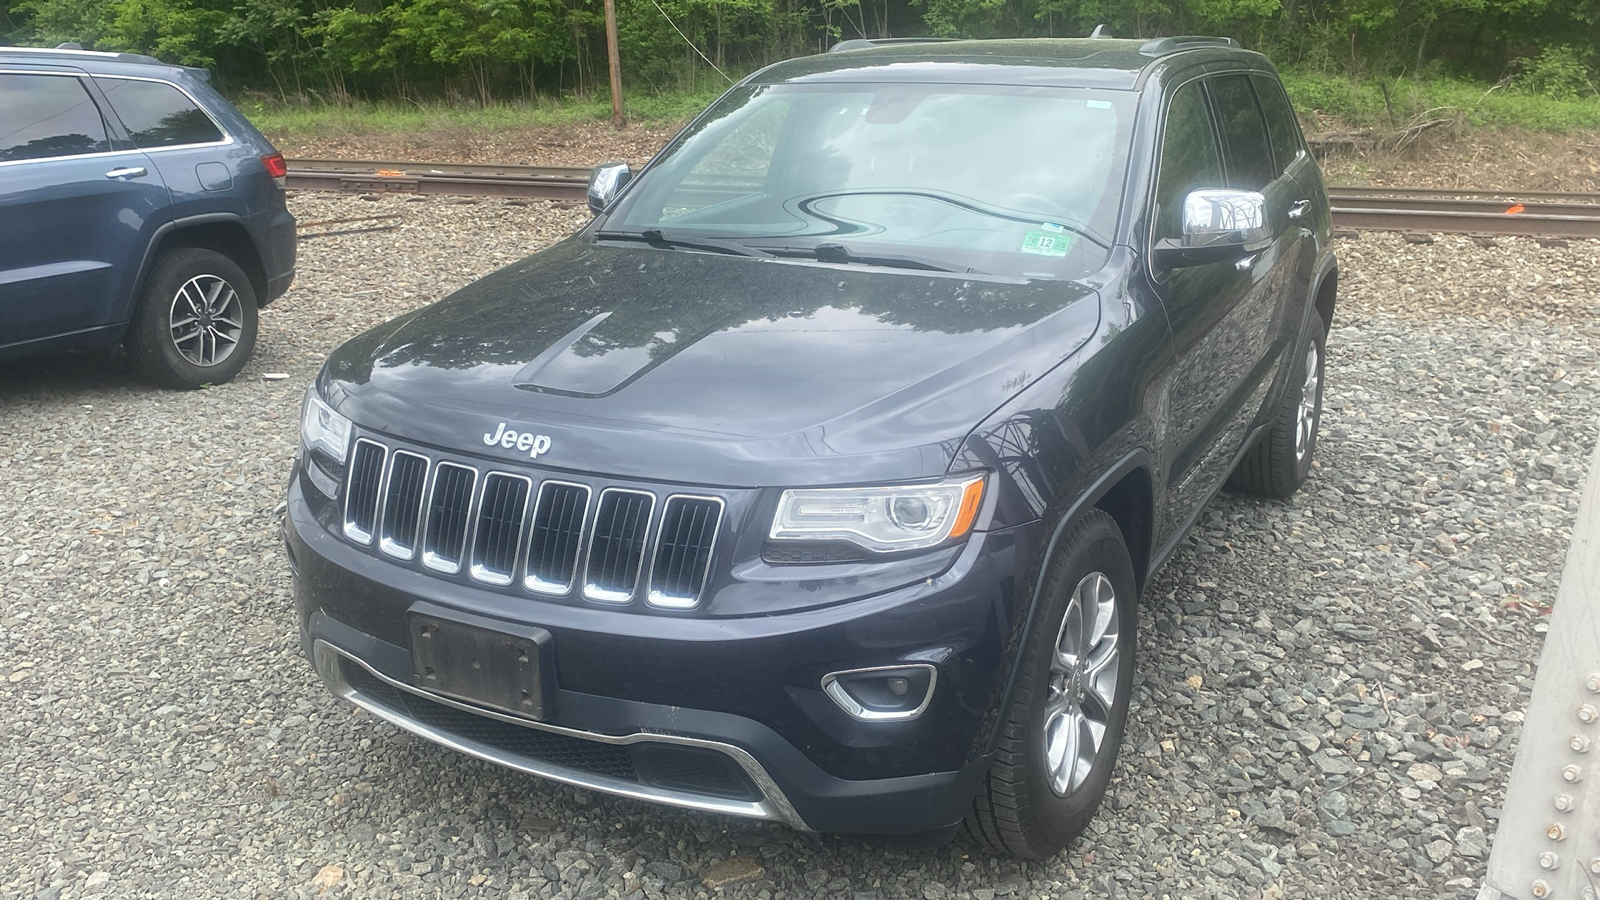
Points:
(1362, 104)
(316, 119)
(1349, 103)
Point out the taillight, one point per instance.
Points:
(276, 167)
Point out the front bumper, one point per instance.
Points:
(725, 715)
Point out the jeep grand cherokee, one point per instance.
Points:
(817, 479)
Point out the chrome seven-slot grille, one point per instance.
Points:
(553, 534)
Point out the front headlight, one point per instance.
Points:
(881, 519)
(323, 429)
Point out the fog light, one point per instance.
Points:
(884, 693)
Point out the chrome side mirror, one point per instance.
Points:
(605, 183)
(1217, 225)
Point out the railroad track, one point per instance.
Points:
(1544, 214)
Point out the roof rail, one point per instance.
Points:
(1164, 45)
(1100, 31)
(65, 50)
(867, 43)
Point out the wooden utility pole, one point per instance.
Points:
(615, 61)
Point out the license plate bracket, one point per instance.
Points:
(505, 667)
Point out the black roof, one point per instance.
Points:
(1082, 62)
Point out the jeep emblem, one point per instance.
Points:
(526, 441)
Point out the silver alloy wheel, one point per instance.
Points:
(1306, 423)
(207, 320)
(1083, 683)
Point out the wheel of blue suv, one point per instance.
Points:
(1065, 723)
(196, 321)
(1279, 463)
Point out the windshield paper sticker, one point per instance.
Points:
(1052, 241)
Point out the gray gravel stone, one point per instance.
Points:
(146, 628)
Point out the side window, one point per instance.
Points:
(1250, 163)
(158, 114)
(1286, 147)
(1189, 160)
(42, 116)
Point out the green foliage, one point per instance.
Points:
(1365, 103)
(1369, 61)
(1560, 72)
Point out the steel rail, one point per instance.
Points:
(1544, 214)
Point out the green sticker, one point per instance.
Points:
(1042, 243)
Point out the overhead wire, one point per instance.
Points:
(689, 42)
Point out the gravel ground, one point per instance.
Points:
(1329, 690)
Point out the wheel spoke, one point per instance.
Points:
(1062, 745)
(1100, 680)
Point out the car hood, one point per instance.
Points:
(710, 369)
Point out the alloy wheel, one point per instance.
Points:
(207, 320)
(1306, 422)
(1083, 683)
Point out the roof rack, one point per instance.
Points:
(867, 43)
(1163, 45)
(77, 50)
(1100, 31)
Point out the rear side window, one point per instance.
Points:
(1189, 160)
(42, 116)
(1280, 121)
(1250, 163)
(157, 114)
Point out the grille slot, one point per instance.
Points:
(616, 551)
(559, 517)
(361, 497)
(689, 527)
(449, 508)
(501, 513)
(402, 504)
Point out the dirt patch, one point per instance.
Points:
(1482, 160)
(1479, 160)
(583, 144)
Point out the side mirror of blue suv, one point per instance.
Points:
(137, 208)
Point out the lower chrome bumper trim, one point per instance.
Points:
(773, 806)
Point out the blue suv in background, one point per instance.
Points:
(137, 208)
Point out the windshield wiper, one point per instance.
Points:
(656, 238)
(839, 253)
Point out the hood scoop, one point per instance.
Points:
(581, 364)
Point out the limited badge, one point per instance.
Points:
(1047, 243)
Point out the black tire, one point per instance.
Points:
(203, 285)
(1018, 809)
(1279, 463)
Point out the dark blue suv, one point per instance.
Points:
(817, 480)
(137, 207)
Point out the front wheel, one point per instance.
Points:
(196, 321)
(1280, 462)
(1065, 723)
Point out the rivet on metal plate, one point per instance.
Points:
(1564, 802)
(1579, 743)
(1548, 860)
(1572, 773)
(1593, 682)
(1555, 832)
(1541, 888)
(1587, 714)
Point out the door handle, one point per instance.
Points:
(1299, 208)
(128, 172)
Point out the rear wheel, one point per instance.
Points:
(1280, 462)
(1065, 723)
(196, 321)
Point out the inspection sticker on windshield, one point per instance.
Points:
(1053, 240)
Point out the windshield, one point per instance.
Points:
(995, 179)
